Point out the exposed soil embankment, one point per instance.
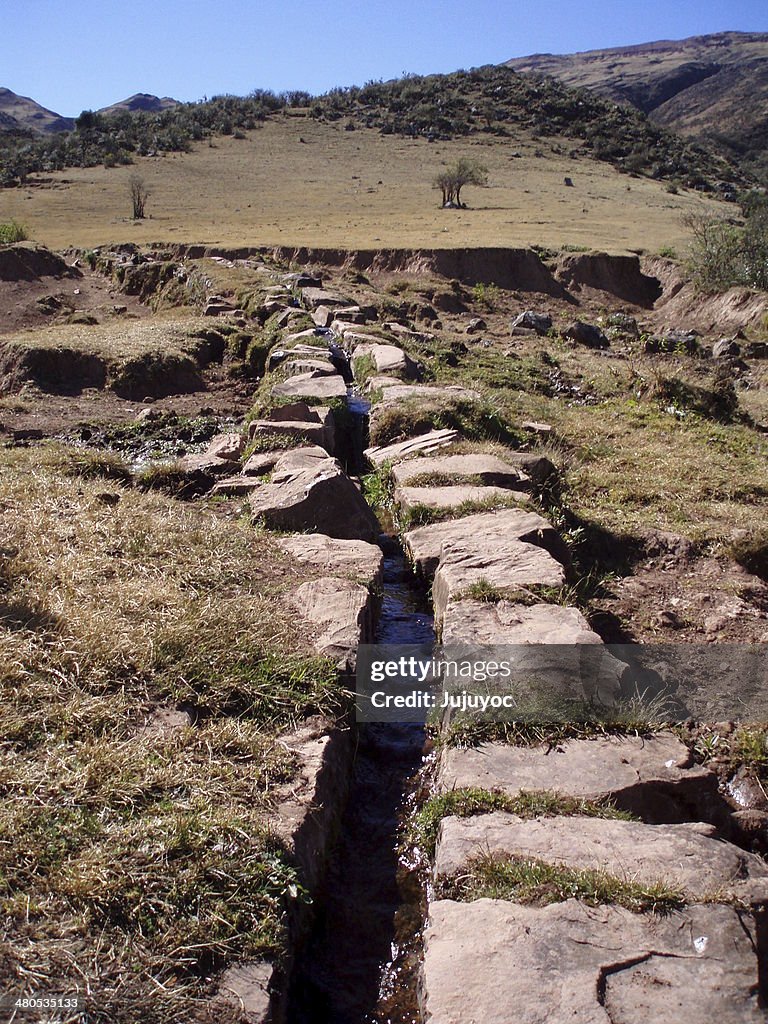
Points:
(681, 303)
(619, 276)
(26, 261)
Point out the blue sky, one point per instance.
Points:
(76, 54)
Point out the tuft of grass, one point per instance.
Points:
(553, 723)
(484, 590)
(169, 477)
(12, 231)
(470, 801)
(531, 881)
(92, 464)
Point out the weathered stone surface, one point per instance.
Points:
(342, 613)
(484, 530)
(314, 297)
(247, 987)
(298, 412)
(226, 446)
(314, 433)
(209, 465)
(387, 359)
(305, 364)
(311, 493)
(488, 470)
(260, 463)
(409, 498)
(538, 322)
(308, 385)
(236, 486)
(350, 331)
(430, 442)
(352, 558)
(504, 622)
(323, 316)
(407, 333)
(725, 348)
(476, 324)
(691, 857)
(653, 776)
(537, 467)
(502, 563)
(310, 457)
(586, 334)
(492, 962)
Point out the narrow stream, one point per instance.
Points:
(359, 965)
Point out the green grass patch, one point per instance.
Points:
(12, 231)
(466, 803)
(534, 882)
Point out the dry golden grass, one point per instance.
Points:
(356, 189)
(118, 340)
(136, 859)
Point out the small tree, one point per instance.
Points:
(139, 195)
(452, 180)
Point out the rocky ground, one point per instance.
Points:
(614, 868)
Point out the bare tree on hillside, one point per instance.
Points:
(139, 195)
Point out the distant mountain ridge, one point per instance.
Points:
(20, 113)
(712, 87)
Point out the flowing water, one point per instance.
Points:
(359, 965)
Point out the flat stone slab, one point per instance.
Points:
(333, 557)
(493, 962)
(689, 857)
(313, 433)
(484, 530)
(236, 486)
(430, 442)
(342, 612)
(485, 470)
(314, 297)
(453, 497)
(427, 392)
(387, 359)
(651, 775)
(505, 622)
(503, 564)
(313, 494)
(310, 386)
(305, 364)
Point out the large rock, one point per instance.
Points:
(538, 322)
(483, 530)
(653, 776)
(341, 611)
(312, 387)
(430, 442)
(409, 498)
(492, 962)
(487, 470)
(586, 334)
(313, 494)
(502, 563)
(690, 857)
(387, 359)
(314, 297)
(354, 559)
(304, 364)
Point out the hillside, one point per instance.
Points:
(307, 182)
(713, 88)
(140, 101)
(29, 114)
